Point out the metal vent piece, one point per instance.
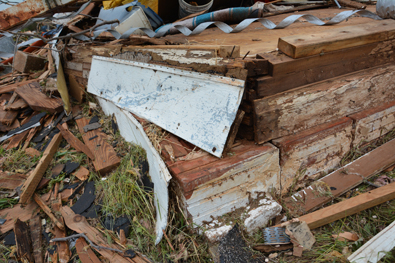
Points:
(275, 236)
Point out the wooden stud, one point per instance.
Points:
(35, 177)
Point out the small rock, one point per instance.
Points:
(273, 255)
(32, 152)
(374, 217)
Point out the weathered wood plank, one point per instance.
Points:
(373, 123)
(350, 206)
(63, 250)
(379, 54)
(106, 158)
(12, 87)
(313, 151)
(74, 142)
(376, 248)
(342, 180)
(308, 106)
(23, 241)
(37, 240)
(17, 105)
(11, 181)
(336, 38)
(228, 184)
(34, 179)
(37, 100)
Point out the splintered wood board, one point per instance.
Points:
(342, 179)
(7, 117)
(299, 46)
(197, 107)
(37, 100)
(308, 106)
(106, 158)
(35, 177)
(79, 224)
(257, 38)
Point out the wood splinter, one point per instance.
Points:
(48, 211)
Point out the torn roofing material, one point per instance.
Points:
(197, 107)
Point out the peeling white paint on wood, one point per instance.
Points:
(233, 189)
(184, 56)
(199, 108)
(374, 126)
(376, 248)
(314, 157)
(132, 131)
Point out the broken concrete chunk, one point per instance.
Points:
(260, 216)
(92, 126)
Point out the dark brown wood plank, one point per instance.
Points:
(317, 68)
(37, 240)
(74, 142)
(37, 100)
(342, 179)
(106, 158)
(23, 241)
(298, 46)
(308, 106)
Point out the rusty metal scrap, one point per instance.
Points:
(18, 14)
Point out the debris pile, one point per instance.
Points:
(131, 132)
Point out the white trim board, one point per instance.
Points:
(197, 107)
(376, 248)
(132, 131)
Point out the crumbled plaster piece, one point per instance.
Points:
(260, 216)
(215, 234)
